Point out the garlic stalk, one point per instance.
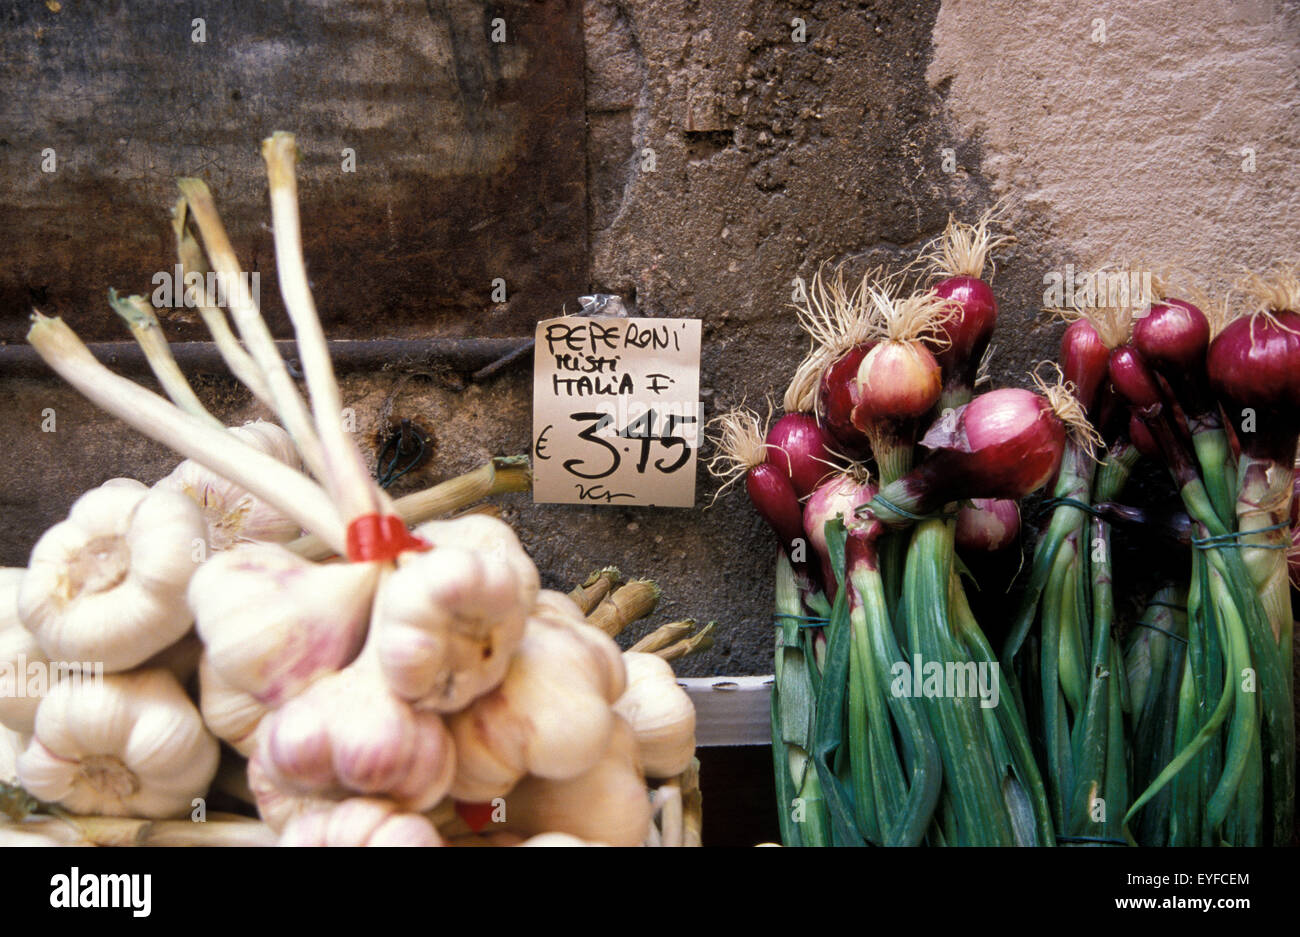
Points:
(550, 716)
(107, 585)
(289, 405)
(272, 622)
(449, 619)
(191, 258)
(354, 491)
(608, 803)
(660, 713)
(122, 745)
(500, 475)
(233, 514)
(149, 336)
(159, 419)
(360, 821)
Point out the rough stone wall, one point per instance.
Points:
(771, 156)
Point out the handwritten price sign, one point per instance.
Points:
(616, 411)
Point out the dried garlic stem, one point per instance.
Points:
(149, 336)
(289, 405)
(348, 480)
(268, 478)
(191, 258)
(595, 587)
(697, 643)
(625, 605)
(502, 475)
(663, 636)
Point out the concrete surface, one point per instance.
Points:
(772, 155)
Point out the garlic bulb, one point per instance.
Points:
(230, 714)
(272, 622)
(360, 821)
(276, 803)
(124, 745)
(19, 654)
(660, 713)
(607, 804)
(450, 618)
(232, 514)
(550, 716)
(347, 732)
(556, 839)
(11, 743)
(107, 585)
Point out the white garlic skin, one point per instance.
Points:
(359, 821)
(276, 803)
(660, 713)
(449, 618)
(607, 804)
(272, 622)
(18, 650)
(107, 585)
(551, 716)
(232, 514)
(129, 745)
(229, 713)
(557, 839)
(11, 743)
(349, 732)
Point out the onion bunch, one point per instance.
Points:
(870, 745)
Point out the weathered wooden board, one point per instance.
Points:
(469, 155)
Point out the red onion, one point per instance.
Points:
(742, 451)
(837, 394)
(896, 382)
(957, 258)
(987, 525)
(1142, 438)
(966, 329)
(1255, 363)
(1084, 360)
(798, 446)
(776, 502)
(1003, 444)
(1173, 337)
(1133, 379)
(839, 496)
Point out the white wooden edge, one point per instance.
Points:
(731, 710)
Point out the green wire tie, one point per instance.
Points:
(901, 512)
(1176, 637)
(810, 621)
(1233, 540)
(1070, 502)
(1104, 840)
(1176, 607)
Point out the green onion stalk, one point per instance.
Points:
(1233, 775)
(1003, 444)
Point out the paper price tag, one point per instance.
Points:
(616, 411)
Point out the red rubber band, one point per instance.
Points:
(381, 537)
(476, 816)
